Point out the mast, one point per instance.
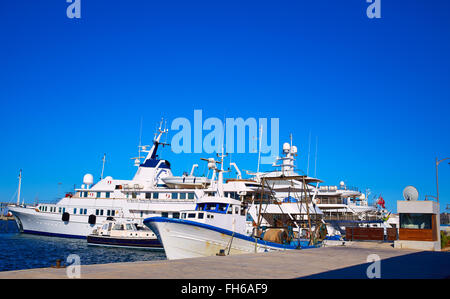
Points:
(103, 166)
(18, 190)
(259, 148)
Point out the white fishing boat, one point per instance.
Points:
(219, 226)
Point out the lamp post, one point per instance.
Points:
(437, 181)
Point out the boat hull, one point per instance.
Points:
(187, 239)
(141, 243)
(32, 222)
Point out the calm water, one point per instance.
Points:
(23, 251)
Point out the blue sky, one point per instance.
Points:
(375, 92)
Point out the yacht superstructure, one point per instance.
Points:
(341, 206)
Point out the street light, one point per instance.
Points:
(437, 181)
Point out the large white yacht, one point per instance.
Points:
(341, 205)
(147, 194)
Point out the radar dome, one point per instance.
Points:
(342, 183)
(88, 179)
(286, 147)
(294, 149)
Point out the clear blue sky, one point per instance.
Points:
(374, 91)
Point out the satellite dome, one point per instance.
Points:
(88, 179)
(286, 147)
(294, 149)
(342, 183)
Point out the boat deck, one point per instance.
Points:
(326, 262)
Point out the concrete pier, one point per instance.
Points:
(327, 262)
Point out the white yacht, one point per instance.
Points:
(147, 194)
(341, 206)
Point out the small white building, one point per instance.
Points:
(419, 225)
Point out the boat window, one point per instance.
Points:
(133, 194)
(99, 194)
(165, 214)
(191, 195)
(222, 208)
(108, 213)
(200, 215)
(107, 194)
(191, 215)
(109, 226)
(176, 215)
(182, 195)
(59, 210)
(242, 211)
(210, 207)
(75, 210)
(174, 195)
(230, 209)
(105, 226)
(113, 212)
(183, 215)
(155, 195)
(129, 226)
(148, 195)
(118, 226)
(236, 209)
(200, 207)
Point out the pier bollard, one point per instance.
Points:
(58, 264)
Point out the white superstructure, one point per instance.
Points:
(341, 206)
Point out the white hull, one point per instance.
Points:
(30, 221)
(182, 241)
(51, 224)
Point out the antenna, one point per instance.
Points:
(309, 149)
(103, 166)
(315, 160)
(140, 139)
(18, 190)
(259, 148)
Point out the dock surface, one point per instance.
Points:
(326, 262)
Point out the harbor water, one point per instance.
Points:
(23, 251)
